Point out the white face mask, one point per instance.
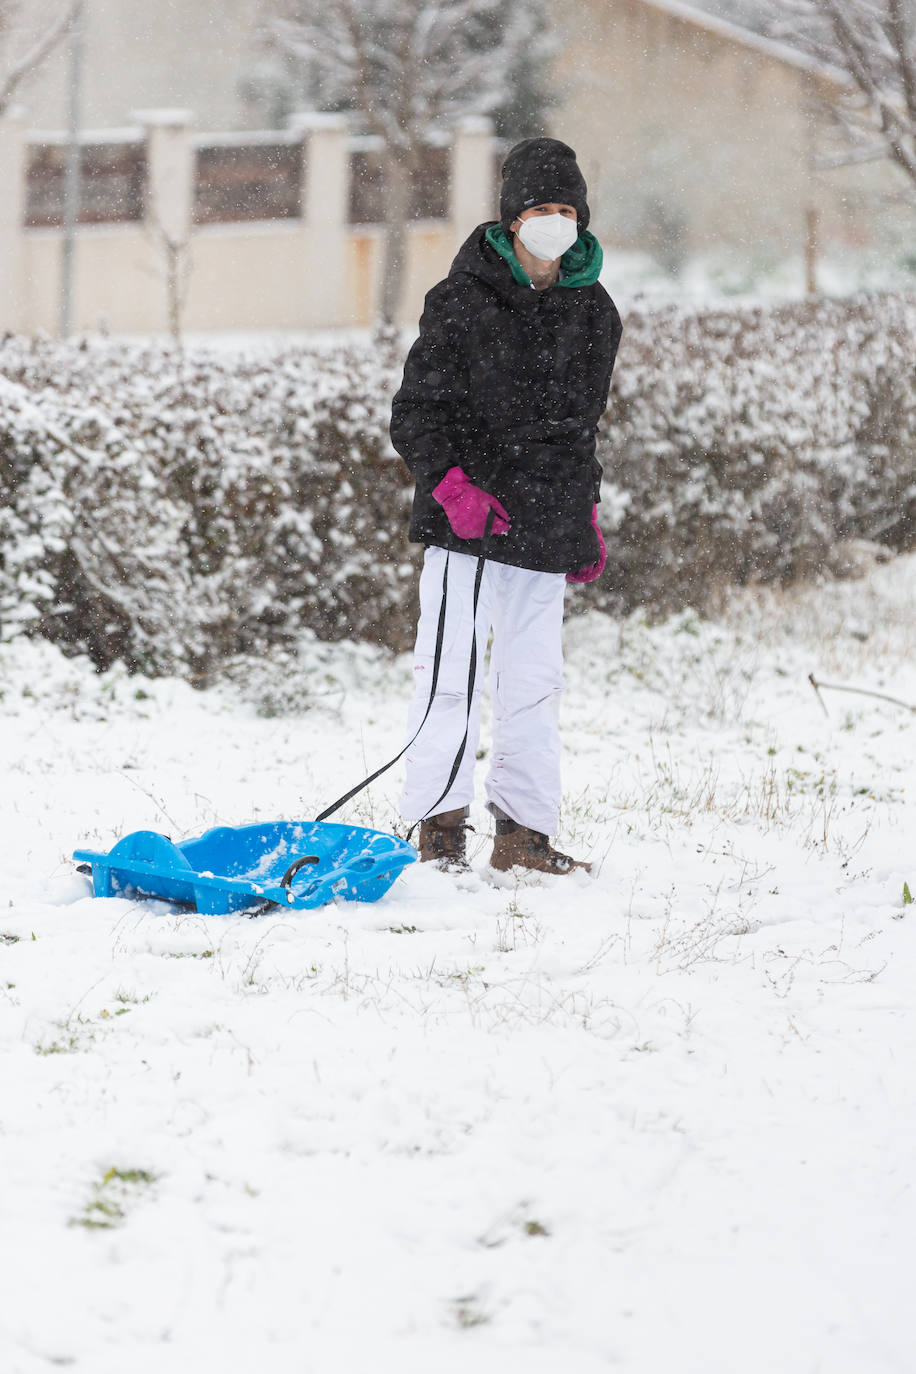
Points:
(547, 237)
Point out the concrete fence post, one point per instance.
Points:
(12, 216)
(169, 203)
(170, 170)
(473, 181)
(326, 215)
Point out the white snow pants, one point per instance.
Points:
(525, 611)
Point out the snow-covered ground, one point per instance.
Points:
(663, 1119)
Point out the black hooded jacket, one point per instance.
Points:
(509, 384)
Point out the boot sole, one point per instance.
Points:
(576, 865)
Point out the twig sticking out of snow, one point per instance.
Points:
(860, 691)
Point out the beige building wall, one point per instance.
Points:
(269, 276)
(694, 138)
(191, 54)
(687, 140)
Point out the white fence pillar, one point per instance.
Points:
(473, 189)
(169, 205)
(326, 215)
(170, 170)
(12, 213)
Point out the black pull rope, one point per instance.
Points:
(472, 674)
(437, 659)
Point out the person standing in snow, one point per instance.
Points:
(498, 412)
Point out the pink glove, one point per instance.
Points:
(467, 506)
(596, 569)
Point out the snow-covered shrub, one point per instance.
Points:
(748, 444)
(176, 511)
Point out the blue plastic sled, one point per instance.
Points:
(299, 865)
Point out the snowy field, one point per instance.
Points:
(660, 1120)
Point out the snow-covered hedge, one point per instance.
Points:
(757, 444)
(177, 510)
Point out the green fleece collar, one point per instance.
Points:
(579, 266)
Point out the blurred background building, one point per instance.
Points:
(703, 130)
(195, 54)
(705, 138)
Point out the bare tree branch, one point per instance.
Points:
(34, 56)
(873, 43)
(407, 67)
(904, 54)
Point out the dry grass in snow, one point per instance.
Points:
(662, 1119)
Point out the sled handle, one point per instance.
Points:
(294, 867)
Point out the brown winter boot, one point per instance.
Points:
(442, 841)
(515, 846)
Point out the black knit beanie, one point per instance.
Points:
(539, 171)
